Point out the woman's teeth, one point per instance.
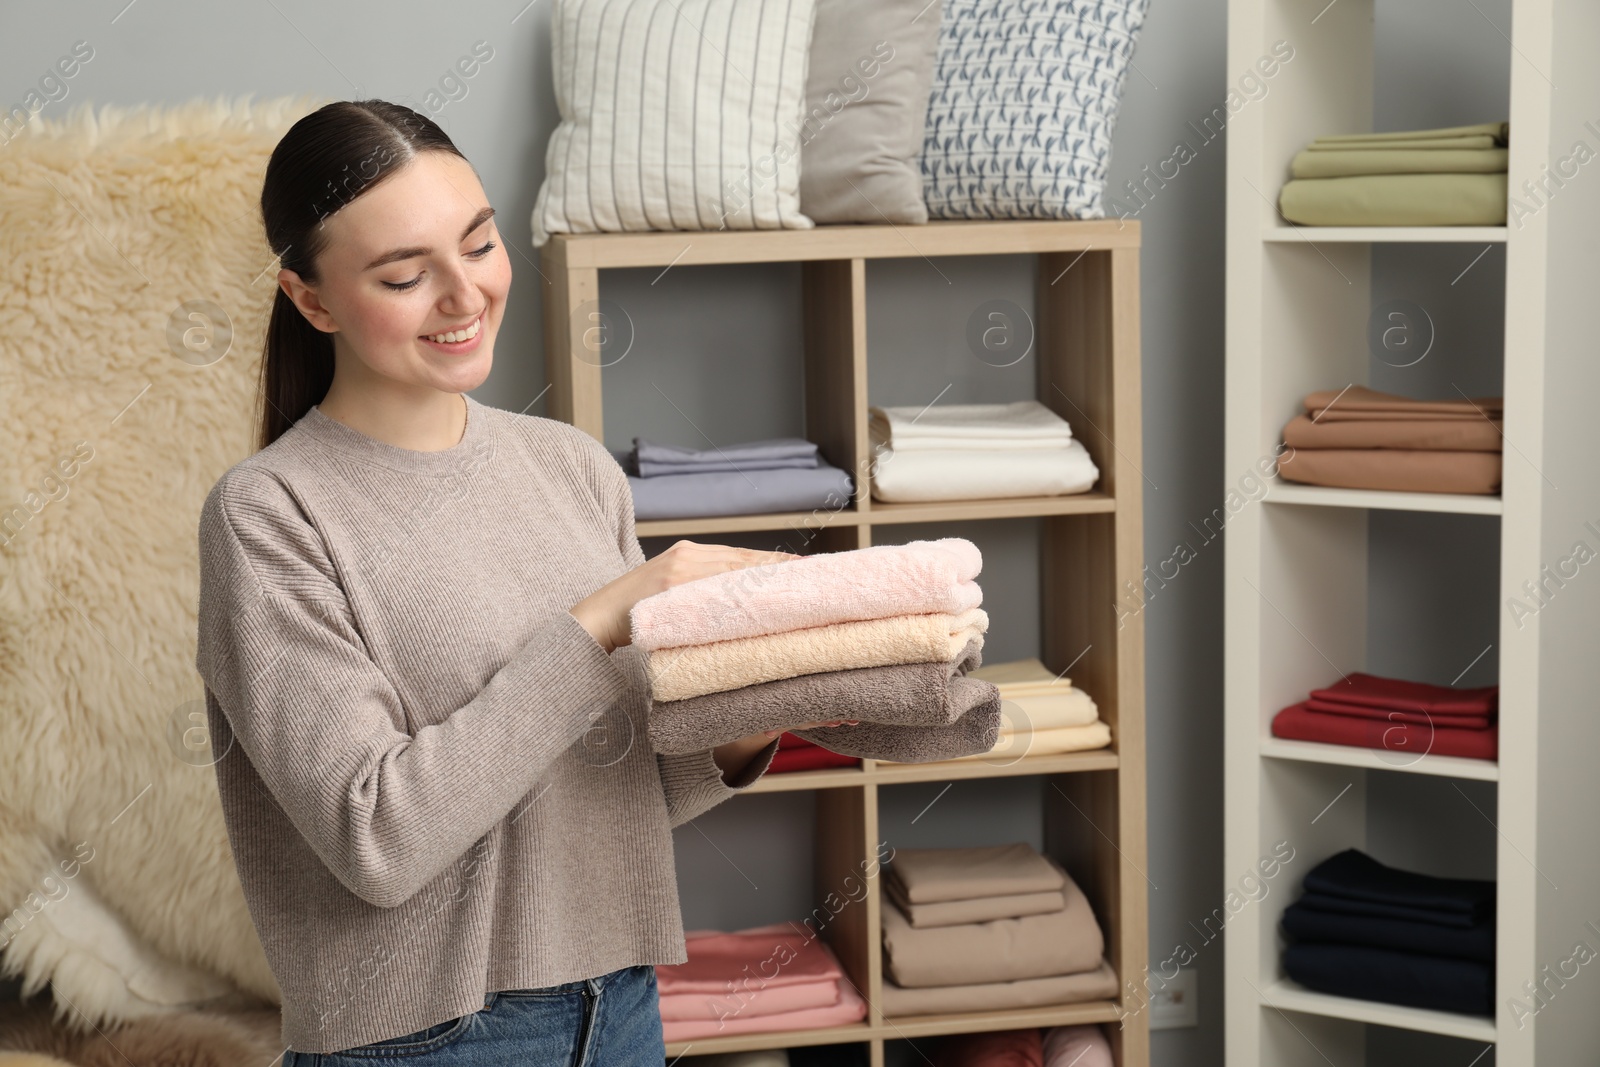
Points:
(457, 335)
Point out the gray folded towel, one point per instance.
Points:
(907, 695)
(975, 732)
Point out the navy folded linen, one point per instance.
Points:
(1392, 977)
(1305, 921)
(649, 459)
(1355, 883)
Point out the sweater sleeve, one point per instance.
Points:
(385, 810)
(692, 782)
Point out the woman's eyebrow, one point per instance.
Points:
(484, 215)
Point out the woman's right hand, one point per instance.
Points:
(605, 612)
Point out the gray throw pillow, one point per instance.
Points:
(867, 86)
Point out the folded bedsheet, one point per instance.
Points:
(1084, 1045)
(681, 672)
(772, 1000)
(1404, 740)
(975, 910)
(975, 731)
(905, 694)
(849, 1008)
(971, 474)
(1472, 433)
(1345, 163)
(1354, 875)
(756, 492)
(863, 583)
(1097, 984)
(1392, 977)
(1491, 133)
(1017, 744)
(929, 875)
(1400, 694)
(991, 1048)
(1021, 424)
(1309, 919)
(650, 459)
(1394, 470)
(1360, 402)
(810, 758)
(1396, 200)
(1465, 722)
(717, 958)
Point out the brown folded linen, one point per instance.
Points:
(933, 874)
(976, 910)
(1475, 434)
(905, 694)
(1000, 950)
(1358, 398)
(975, 731)
(1100, 983)
(1392, 469)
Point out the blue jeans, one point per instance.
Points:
(610, 1021)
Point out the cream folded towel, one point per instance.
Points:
(863, 583)
(1038, 699)
(693, 670)
(973, 474)
(1022, 424)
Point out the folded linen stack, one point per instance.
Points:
(975, 451)
(1041, 713)
(774, 474)
(1084, 1045)
(760, 980)
(795, 753)
(1408, 718)
(1376, 933)
(1443, 177)
(968, 929)
(1359, 438)
(883, 635)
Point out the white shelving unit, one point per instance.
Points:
(1298, 300)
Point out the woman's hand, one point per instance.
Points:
(733, 756)
(604, 612)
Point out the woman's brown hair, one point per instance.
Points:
(327, 159)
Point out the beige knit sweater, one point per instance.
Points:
(436, 783)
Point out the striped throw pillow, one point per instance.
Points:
(675, 115)
(1025, 96)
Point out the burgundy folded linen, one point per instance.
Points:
(906, 694)
(1399, 694)
(733, 1002)
(1470, 434)
(1299, 723)
(1084, 1045)
(975, 731)
(995, 1048)
(1099, 983)
(850, 1008)
(917, 578)
(1331, 403)
(1393, 470)
(814, 758)
(1336, 707)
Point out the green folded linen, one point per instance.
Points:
(1396, 200)
(1498, 132)
(1477, 143)
(1351, 163)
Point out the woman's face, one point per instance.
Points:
(412, 258)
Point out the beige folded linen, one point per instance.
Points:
(905, 694)
(933, 874)
(1351, 162)
(1022, 676)
(1353, 400)
(1033, 713)
(1396, 200)
(1009, 747)
(1000, 950)
(1097, 984)
(976, 910)
(1393, 469)
(1470, 434)
(694, 670)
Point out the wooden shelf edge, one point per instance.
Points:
(1286, 995)
(1384, 499)
(1372, 759)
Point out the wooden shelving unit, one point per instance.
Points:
(1297, 561)
(1087, 354)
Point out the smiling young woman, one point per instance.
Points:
(451, 831)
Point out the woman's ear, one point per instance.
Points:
(305, 298)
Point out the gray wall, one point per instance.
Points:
(718, 349)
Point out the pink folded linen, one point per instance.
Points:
(1077, 1046)
(762, 957)
(992, 1048)
(771, 1000)
(864, 583)
(849, 1009)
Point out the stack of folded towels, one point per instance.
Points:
(1372, 932)
(1041, 713)
(764, 979)
(1444, 177)
(775, 474)
(972, 929)
(885, 635)
(795, 753)
(1058, 1046)
(1409, 718)
(975, 451)
(1359, 438)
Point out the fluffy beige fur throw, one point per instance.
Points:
(119, 408)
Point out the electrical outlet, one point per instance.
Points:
(1177, 1005)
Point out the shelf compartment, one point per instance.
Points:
(1388, 234)
(1288, 996)
(1371, 759)
(1322, 496)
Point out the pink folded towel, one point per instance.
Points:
(761, 957)
(771, 1000)
(849, 1009)
(863, 583)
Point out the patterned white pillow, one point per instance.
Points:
(1024, 99)
(675, 115)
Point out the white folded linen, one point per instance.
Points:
(961, 474)
(1022, 424)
